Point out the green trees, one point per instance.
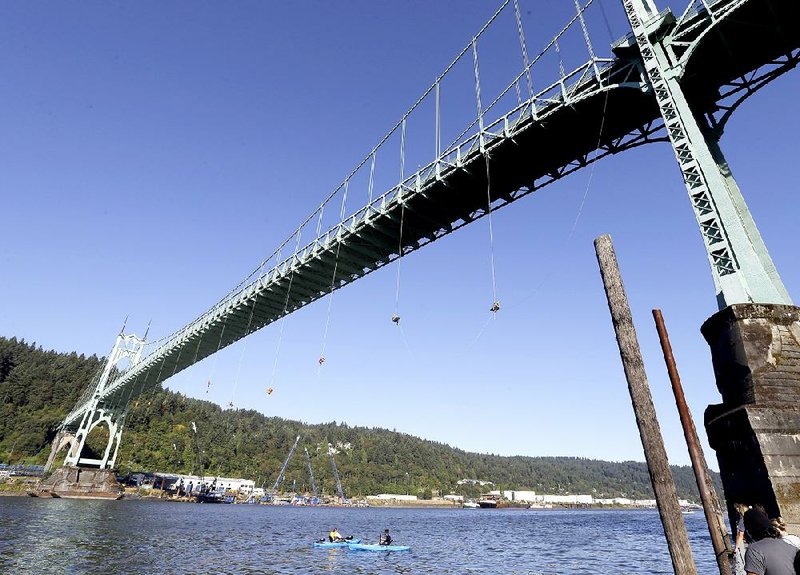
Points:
(38, 388)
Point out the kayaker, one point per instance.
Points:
(385, 538)
(335, 536)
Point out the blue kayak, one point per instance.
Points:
(330, 544)
(366, 547)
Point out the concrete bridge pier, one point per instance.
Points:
(755, 431)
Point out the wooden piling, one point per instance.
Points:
(655, 454)
(711, 507)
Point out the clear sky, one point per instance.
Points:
(153, 153)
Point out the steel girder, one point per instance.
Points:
(601, 108)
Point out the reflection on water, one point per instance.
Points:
(66, 537)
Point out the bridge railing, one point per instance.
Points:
(489, 125)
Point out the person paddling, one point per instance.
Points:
(335, 536)
(385, 538)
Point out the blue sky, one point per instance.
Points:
(152, 154)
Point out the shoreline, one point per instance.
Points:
(427, 504)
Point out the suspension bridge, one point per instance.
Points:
(674, 77)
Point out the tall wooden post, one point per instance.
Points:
(716, 523)
(655, 454)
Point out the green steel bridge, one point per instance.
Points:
(675, 78)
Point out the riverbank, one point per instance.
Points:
(17, 486)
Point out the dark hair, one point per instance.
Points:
(759, 526)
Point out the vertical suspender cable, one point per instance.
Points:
(402, 151)
(561, 70)
(371, 179)
(587, 39)
(524, 48)
(478, 90)
(438, 132)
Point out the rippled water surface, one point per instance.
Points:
(60, 536)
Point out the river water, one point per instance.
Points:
(131, 537)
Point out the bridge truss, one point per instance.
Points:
(674, 79)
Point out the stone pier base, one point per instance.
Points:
(755, 431)
(80, 483)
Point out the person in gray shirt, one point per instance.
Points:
(768, 554)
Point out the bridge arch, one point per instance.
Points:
(99, 421)
(61, 441)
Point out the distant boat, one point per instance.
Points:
(689, 509)
(213, 497)
(487, 503)
(470, 505)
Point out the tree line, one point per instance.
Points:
(38, 388)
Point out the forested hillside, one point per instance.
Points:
(39, 387)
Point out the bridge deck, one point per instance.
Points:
(522, 154)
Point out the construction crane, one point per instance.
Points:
(283, 469)
(336, 474)
(311, 473)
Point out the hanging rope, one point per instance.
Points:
(286, 302)
(396, 315)
(551, 271)
(219, 345)
(241, 355)
(495, 304)
(591, 169)
(321, 359)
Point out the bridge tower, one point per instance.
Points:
(755, 337)
(126, 353)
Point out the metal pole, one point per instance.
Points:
(656, 455)
(716, 524)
